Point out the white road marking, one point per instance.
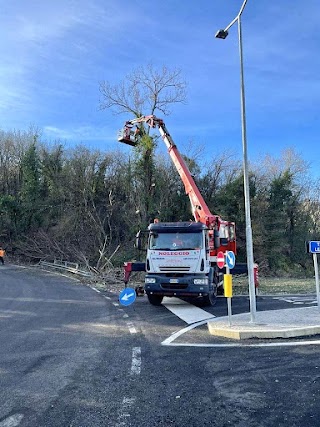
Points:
(95, 289)
(229, 345)
(115, 304)
(12, 421)
(136, 361)
(185, 311)
(123, 419)
(168, 341)
(131, 327)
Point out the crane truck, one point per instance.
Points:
(181, 256)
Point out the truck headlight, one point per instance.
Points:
(201, 281)
(149, 280)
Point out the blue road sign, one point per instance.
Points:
(314, 247)
(127, 296)
(230, 259)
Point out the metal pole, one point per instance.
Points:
(316, 273)
(249, 243)
(229, 301)
(222, 34)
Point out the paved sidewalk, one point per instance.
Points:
(288, 323)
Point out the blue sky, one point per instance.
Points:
(54, 54)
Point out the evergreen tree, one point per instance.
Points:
(52, 184)
(31, 209)
(280, 221)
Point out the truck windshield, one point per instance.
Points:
(175, 241)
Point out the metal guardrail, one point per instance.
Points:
(71, 267)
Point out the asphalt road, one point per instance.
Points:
(71, 356)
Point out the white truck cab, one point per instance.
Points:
(178, 262)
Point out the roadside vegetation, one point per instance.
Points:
(86, 206)
(276, 285)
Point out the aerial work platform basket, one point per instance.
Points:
(128, 136)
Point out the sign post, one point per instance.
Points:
(316, 273)
(313, 247)
(229, 260)
(227, 284)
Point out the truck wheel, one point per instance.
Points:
(209, 300)
(155, 299)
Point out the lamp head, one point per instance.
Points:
(221, 34)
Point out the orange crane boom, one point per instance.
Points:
(200, 210)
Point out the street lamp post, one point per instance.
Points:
(222, 34)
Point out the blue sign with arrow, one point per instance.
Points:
(230, 259)
(127, 296)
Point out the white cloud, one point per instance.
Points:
(80, 133)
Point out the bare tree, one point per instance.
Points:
(144, 91)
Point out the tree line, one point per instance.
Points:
(87, 205)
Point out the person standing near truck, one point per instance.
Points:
(2, 254)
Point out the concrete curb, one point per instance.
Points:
(288, 323)
(263, 334)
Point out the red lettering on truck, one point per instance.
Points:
(174, 253)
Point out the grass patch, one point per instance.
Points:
(271, 285)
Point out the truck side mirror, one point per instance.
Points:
(138, 243)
